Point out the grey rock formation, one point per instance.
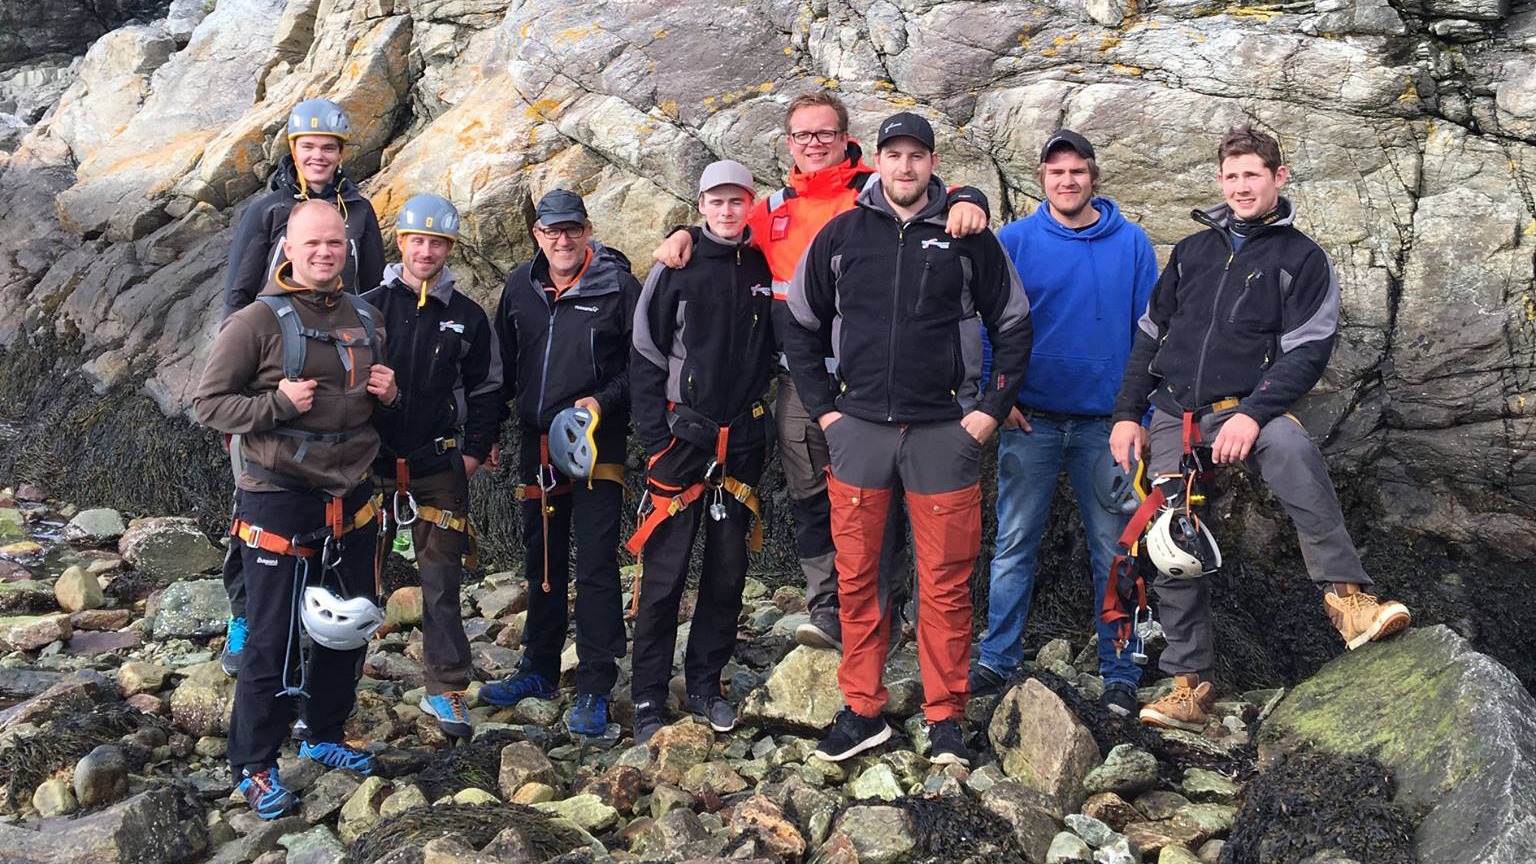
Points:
(197, 608)
(1461, 746)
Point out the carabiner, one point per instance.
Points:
(714, 474)
(330, 553)
(404, 503)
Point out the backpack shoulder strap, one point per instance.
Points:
(365, 315)
(294, 342)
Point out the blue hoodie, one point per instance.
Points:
(1086, 289)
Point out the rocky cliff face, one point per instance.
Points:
(1409, 126)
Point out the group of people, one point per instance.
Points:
(864, 320)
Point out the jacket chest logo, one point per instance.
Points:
(451, 325)
(935, 243)
(779, 228)
(586, 308)
(762, 291)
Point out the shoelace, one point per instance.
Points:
(456, 706)
(1353, 602)
(1182, 695)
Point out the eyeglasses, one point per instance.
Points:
(569, 232)
(821, 136)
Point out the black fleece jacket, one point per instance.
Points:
(448, 369)
(577, 346)
(896, 302)
(1257, 324)
(703, 337)
(257, 247)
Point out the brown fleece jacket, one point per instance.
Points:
(238, 391)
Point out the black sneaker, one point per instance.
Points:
(713, 710)
(851, 735)
(947, 744)
(648, 719)
(1119, 698)
(824, 630)
(986, 681)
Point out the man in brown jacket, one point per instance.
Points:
(294, 375)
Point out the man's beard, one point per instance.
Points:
(910, 199)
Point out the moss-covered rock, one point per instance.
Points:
(1456, 729)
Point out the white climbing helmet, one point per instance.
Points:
(341, 625)
(1181, 546)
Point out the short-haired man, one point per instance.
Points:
(703, 355)
(295, 376)
(316, 133)
(1088, 273)
(564, 330)
(828, 174)
(895, 299)
(449, 414)
(1240, 326)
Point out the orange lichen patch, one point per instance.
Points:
(660, 34)
(668, 107)
(1122, 69)
(575, 34)
(543, 109)
(1108, 43)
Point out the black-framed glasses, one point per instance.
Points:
(820, 136)
(554, 232)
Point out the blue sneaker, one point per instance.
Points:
(235, 632)
(336, 755)
(523, 684)
(266, 794)
(451, 713)
(588, 715)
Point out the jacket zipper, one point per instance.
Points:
(549, 340)
(890, 356)
(415, 380)
(592, 348)
(1238, 303)
(1210, 328)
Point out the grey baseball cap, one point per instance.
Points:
(561, 205)
(726, 172)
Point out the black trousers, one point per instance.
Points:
(440, 561)
(262, 714)
(594, 515)
(712, 636)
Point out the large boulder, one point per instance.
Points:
(201, 704)
(1043, 745)
(1456, 728)
(170, 548)
(149, 827)
(800, 691)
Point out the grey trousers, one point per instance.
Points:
(1288, 460)
(804, 456)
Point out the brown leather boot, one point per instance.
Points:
(1184, 708)
(1360, 617)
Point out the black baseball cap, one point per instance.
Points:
(561, 205)
(1066, 138)
(905, 125)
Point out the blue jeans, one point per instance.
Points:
(1028, 464)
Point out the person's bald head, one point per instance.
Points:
(316, 244)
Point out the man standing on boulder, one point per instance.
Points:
(1088, 273)
(294, 375)
(311, 170)
(449, 375)
(828, 174)
(702, 360)
(564, 330)
(1240, 326)
(895, 299)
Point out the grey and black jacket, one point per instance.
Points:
(577, 346)
(1257, 323)
(703, 340)
(897, 303)
(257, 247)
(448, 369)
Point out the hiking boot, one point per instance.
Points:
(947, 744)
(336, 755)
(713, 710)
(1119, 698)
(852, 734)
(1360, 617)
(824, 630)
(265, 793)
(985, 681)
(524, 684)
(588, 715)
(451, 712)
(648, 720)
(235, 632)
(1184, 708)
